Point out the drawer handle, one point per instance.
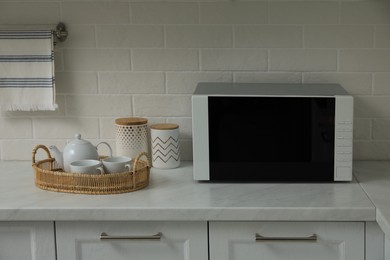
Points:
(312, 238)
(153, 237)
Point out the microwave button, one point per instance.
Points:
(344, 159)
(343, 126)
(345, 150)
(344, 142)
(344, 153)
(346, 123)
(344, 135)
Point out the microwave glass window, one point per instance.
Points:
(271, 138)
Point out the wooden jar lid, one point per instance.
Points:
(131, 121)
(164, 126)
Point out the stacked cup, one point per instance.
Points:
(112, 164)
(86, 166)
(116, 164)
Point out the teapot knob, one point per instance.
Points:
(77, 136)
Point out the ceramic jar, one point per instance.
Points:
(165, 145)
(131, 136)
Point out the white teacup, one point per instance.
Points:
(87, 166)
(117, 164)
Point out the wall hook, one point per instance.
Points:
(61, 33)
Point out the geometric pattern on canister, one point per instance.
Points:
(166, 150)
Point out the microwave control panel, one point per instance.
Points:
(343, 138)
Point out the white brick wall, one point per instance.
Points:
(144, 58)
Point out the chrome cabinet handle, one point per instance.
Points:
(312, 238)
(104, 236)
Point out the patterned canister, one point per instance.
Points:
(165, 145)
(131, 136)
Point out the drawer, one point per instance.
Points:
(27, 240)
(131, 240)
(287, 240)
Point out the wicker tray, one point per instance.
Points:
(49, 177)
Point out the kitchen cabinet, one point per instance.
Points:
(27, 240)
(287, 240)
(132, 240)
(35, 222)
(218, 240)
(375, 242)
(387, 248)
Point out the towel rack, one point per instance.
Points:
(61, 33)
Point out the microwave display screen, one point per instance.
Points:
(271, 138)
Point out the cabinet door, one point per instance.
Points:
(27, 241)
(132, 240)
(375, 239)
(287, 240)
(387, 248)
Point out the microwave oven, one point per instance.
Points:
(249, 132)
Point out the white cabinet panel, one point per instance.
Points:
(387, 248)
(335, 241)
(27, 241)
(179, 241)
(375, 239)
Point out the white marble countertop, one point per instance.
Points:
(374, 177)
(173, 195)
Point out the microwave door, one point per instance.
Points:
(271, 138)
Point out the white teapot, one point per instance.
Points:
(77, 149)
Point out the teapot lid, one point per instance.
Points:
(77, 140)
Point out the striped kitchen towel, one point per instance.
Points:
(27, 70)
